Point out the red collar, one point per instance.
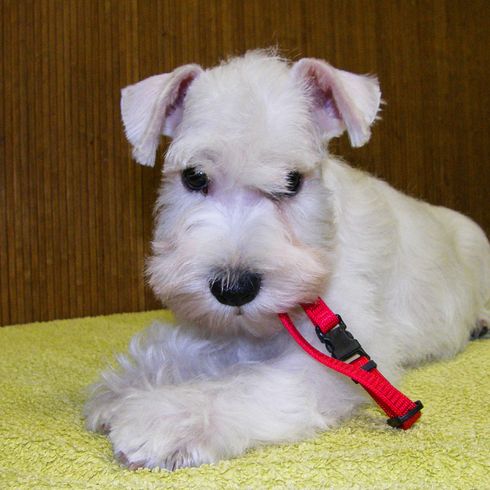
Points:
(331, 330)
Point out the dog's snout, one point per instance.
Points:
(235, 288)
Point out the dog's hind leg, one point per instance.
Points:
(482, 324)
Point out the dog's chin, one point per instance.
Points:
(239, 322)
(213, 318)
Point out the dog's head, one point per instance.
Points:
(244, 219)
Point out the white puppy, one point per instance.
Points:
(255, 217)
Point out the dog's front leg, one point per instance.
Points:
(165, 356)
(204, 421)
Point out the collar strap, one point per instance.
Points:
(350, 359)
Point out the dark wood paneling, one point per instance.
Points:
(76, 213)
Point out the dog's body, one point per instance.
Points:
(270, 220)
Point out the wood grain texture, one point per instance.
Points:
(76, 212)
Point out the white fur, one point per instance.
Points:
(410, 280)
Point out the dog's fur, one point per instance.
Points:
(410, 280)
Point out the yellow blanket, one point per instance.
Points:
(44, 369)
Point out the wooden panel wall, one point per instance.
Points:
(75, 212)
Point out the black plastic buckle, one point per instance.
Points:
(397, 422)
(341, 343)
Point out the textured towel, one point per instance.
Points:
(44, 369)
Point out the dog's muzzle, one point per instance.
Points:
(235, 288)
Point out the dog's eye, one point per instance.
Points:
(195, 180)
(294, 182)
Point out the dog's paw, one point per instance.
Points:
(147, 450)
(177, 460)
(151, 431)
(481, 331)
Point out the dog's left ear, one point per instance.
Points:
(341, 100)
(153, 107)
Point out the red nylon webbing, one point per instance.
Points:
(393, 402)
(321, 315)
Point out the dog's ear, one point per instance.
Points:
(341, 100)
(153, 107)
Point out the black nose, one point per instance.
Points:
(235, 288)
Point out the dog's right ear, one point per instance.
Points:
(153, 107)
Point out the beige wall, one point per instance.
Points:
(75, 212)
